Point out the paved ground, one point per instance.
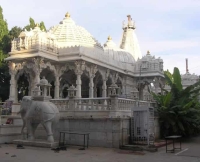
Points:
(189, 153)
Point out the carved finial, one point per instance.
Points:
(129, 17)
(109, 37)
(148, 52)
(67, 15)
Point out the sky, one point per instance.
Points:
(169, 29)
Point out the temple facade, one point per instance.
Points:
(67, 54)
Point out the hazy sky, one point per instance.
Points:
(170, 29)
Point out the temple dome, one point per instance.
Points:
(116, 53)
(69, 34)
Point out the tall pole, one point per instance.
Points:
(187, 71)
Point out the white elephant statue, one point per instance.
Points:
(35, 112)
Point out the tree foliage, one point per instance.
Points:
(6, 37)
(3, 25)
(42, 26)
(32, 25)
(4, 73)
(178, 109)
(3, 35)
(4, 82)
(13, 33)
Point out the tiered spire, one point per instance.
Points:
(129, 40)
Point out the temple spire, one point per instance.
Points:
(129, 40)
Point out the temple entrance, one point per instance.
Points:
(98, 83)
(67, 79)
(108, 83)
(85, 86)
(119, 84)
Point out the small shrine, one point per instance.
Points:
(42, 91)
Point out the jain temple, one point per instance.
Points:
(69, 55)
(97, 88)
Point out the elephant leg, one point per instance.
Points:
(24, 124)
(34, 127)
(30, 130)
(48, 127)
(22, 130)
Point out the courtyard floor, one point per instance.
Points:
(190, 153)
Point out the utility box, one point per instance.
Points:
(142, 125)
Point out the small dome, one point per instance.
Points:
(43, 81)
(116, 53)
(109, 43)
(69, 34)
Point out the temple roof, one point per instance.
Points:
(116, 53)
(69, 34)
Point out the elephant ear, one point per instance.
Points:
(26, 103)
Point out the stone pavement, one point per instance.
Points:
(191, 153)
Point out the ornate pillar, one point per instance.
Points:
(13, 69)
(91, 85)
(104, 88)
(16, 92)
(79, 67)
(105, 75)
(58, 71)
(92, 71)
(12, 86)
(78, 85)
(57, 85)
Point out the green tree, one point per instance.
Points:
(3, 33)
(32, 25)
(4, 75)
(178, 109)
(4, 82)
(42, 26)
(3, 25)
(13, 33)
